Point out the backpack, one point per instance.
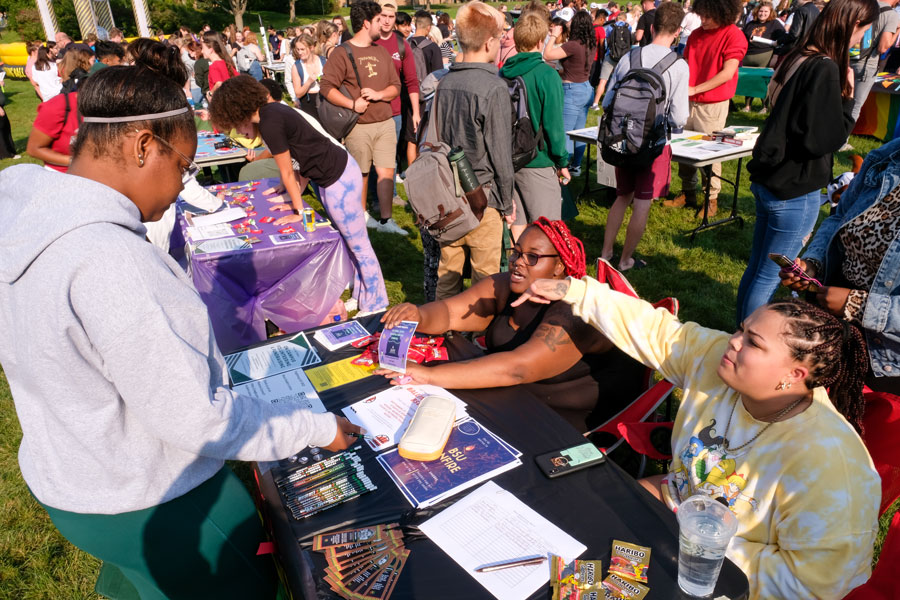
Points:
(419, 58)
(432, 185)
(620, 42)
(634, 128)
(525, 141)
(866, 46)
(242, 59)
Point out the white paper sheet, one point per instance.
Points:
(223, 216)
(491, 525)
(292, 386)
(271, 359)
(210, 232)
(387, 414)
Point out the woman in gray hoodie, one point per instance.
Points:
(120, 389)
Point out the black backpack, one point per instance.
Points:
(525, 142)
(620, 42)
(634, 128)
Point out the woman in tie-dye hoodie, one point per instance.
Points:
(757, 428)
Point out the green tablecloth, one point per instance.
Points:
(753, 81)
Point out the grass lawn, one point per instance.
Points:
(36, 562)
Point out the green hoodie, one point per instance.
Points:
(545, 102)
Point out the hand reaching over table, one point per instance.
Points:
(401, 312)
(341, 440)
(291, 218)
(415, 374)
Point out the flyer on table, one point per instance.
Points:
(271, 359)
(290, 386)
(387, 414)
(393, 346)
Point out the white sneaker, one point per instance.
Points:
(351, 305)
(390, 226)
(398, 178)
(370, 222)
(846, 147)
(574, 171)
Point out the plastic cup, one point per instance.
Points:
(705, 528)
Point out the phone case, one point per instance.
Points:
(429, 429)
(569, 460)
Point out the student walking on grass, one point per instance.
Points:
(638, 188)
(713, 52)
(537, 191)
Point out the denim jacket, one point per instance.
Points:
(880, 173)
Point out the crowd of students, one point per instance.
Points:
(763, 408)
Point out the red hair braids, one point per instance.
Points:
(569, 247)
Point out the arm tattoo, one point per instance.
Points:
(561, 288)
(553, 337)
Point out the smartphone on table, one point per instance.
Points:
(569, 460)
(787, 264)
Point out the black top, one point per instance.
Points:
(619, 376)
(318, 158)
(803, 18)
(771, 30)
(644, 23)
(793, 155)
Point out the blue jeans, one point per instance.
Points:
(577, 99)
(781, 227)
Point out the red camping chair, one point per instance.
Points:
(885, 581)
(630, 425)
(881, 426)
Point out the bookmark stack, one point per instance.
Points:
(324, 484)
(365, 563)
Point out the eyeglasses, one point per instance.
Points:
(188, 172)
(531, 259)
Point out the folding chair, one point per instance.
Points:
(881, 434)
(630, 425)
(885, 581)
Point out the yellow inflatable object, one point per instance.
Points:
(14, 56)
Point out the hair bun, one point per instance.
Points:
(160, 58)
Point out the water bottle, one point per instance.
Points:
(467, 179)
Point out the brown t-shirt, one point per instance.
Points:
(376, 71)
(577, 64)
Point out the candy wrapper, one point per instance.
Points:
(630, 561)
(577, 580)
(618, 588)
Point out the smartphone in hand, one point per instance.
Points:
(787, 264)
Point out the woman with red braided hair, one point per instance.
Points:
(768, 425)
(565, 361)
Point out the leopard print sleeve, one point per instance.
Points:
(855, 306)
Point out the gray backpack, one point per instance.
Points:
(437, 199)
(634, 128)
(419, 58)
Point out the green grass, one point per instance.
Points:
(36, 562)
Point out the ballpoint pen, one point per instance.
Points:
(517, 562)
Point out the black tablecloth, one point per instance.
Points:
(595, 505)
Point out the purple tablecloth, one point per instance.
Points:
(293, 285)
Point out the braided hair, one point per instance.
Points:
(834, 349)
(569, 247)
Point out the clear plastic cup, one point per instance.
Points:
(705, 528)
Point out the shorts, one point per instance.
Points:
(537, 194)
(648, 183)
(607, 68)
(373, 143)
